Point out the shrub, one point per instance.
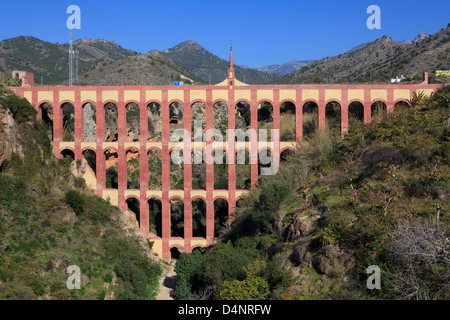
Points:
(76, 201)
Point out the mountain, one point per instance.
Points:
(196, 59)
(152, 68)
(51, 60)
(379, 61)
(286, 68)
(419, 37)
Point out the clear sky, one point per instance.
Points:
(263, 32)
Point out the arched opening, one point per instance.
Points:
(154, 122)
(287, 121)
(133, 207)
(355, 113)
(199, 218)
(198, 169)
(310, 119)
(133, 124)
(91, 159)
(265, 121)
(243, 170)
(198, 121)
(220, 217)
(286, 155)
(176, 123)
(133, 169)
(68, 122)
(67, 153)
(176, 169)
(242, 121)
(155, 216)
(401, 105)
(220, 169)
(47, 117)
(177, 218)
(333, 117)
(90, 122)
(220, 113)
(265, 162)
(112, 171)
(154, 169)
(378, 111)
(175, 253)
(111, 122)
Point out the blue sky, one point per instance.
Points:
(263, 32)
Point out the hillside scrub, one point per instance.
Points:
(336, 207)
(49, 221)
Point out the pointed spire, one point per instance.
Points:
(231, 55)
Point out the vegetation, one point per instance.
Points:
(50, 221)
(336, 207)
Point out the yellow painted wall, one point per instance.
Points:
(88, 95)
(29, 96)
(153, 95)
(402, 94)
(426, 91)
(378, 94)
(288, 94)
(175, 94)
(45, 95)
(310, 94)
(198, 94)
(132, 95)
(110, 95)
(333, 94)
(355, 94)
(220, 94)
(242, 94)
(66, 95)
(265, 95)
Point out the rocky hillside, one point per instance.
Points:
(379, 61)
(51, 60)
(50, 221)
(152, 68)
(286, 68)
(196, 59)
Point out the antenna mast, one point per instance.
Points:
(71, 54)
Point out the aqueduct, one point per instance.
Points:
(230, 93)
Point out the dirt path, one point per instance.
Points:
(167, 284)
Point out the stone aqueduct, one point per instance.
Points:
(231, 91)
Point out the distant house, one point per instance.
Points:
(16, 74)
(397, 79)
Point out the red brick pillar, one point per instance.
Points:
(57, 124)
(322, 106)
(209, 171)
(231, 152)
(367, 106)
(344, 113)
(299, 116)
(79, 125)
(100, 135)
(143, 167)
(254, 138)
(122, 157)
(165, 172)
(390, 101)
(187, 170)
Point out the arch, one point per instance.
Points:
(198, 160)
(175, 252)
(401, 104)
(133, 206)
(91, 158)
(90, 122)
(264, 155)
(198, 218)
(265, 121)
(154, 169)
(133, 168)
(221, 216)
(287, 121)
(310, 118)
(333, 116)
(243, 169)
(198, 120)
(242, 120)
(176, 217)
(176, 169)
(286, 154)
(111, 122)
(221, 169)
(355, 112)
(46, 110)
(176, 119)
(68, 121)
(220, 118)
(111, 168)
(154, 119)
(155, 216)
(132, 121)
(378, 110)
(67, 153)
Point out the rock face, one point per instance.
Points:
(9, 142)
(331, 259)
(299, 226)
(90, 127)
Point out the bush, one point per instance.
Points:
(76, 201)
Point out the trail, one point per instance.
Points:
(167, 283)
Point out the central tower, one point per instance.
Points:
(231, 75)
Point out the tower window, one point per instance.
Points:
(231, 83)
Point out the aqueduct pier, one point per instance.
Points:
(231, 91)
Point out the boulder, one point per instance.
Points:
(331, 260)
